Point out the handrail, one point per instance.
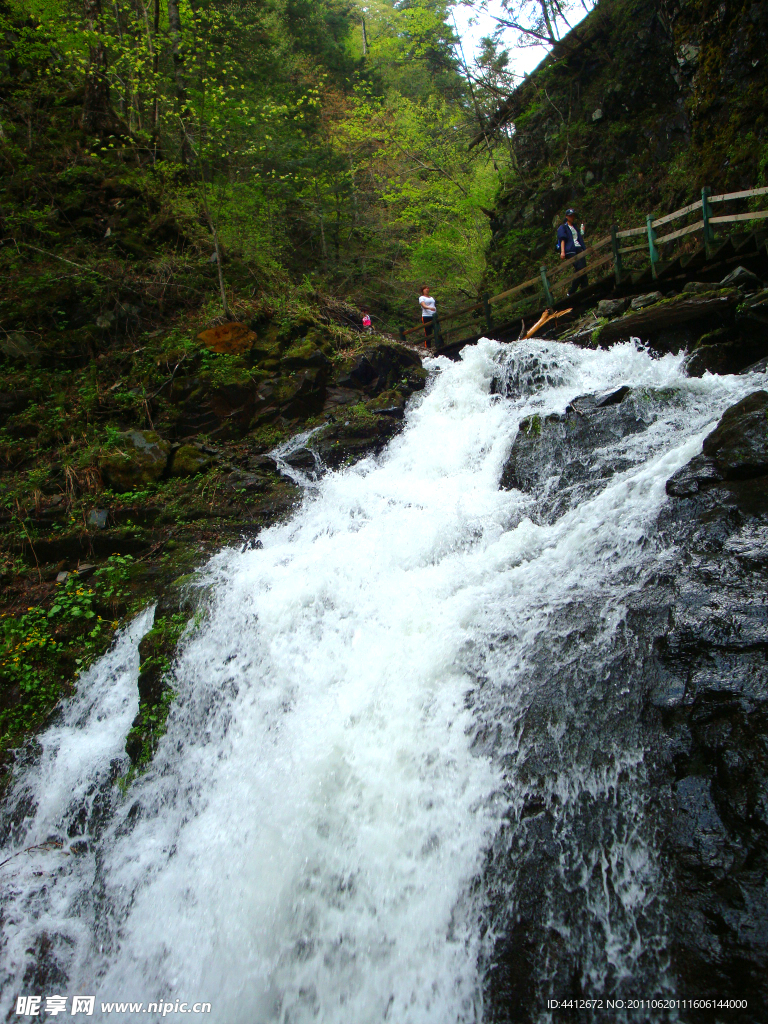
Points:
(548, 284)
(755, 215)
(739, 195)
(677, 214)
(688, 230)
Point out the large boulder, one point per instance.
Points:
(141, 459)
(738, 445)
(611, 307)
(188, 460)
(728, 349)
(382, 367)
(737, 449)
(568, 447)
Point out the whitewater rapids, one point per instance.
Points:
(310, 841)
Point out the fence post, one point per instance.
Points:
(547, 293)
(487, 311)
(654, 252)
(616, 253)
(706, 213)
(402, 334)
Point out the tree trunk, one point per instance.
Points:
(174, 25)
(97, 113)
(544, 4)
(156, 73)
(322, 223)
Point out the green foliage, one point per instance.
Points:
(268, 130)
(42, 648)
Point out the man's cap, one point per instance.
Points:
(569, 212)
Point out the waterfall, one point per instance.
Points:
(369, 714)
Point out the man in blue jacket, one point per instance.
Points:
(570, 242)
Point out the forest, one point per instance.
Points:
(317, 143)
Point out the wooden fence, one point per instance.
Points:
(552, 282)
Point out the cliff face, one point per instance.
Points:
(643, 104)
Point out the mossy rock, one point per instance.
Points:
(140, 460)
(305, 354)
(387, 401)
(189, 461)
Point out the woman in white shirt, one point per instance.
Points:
(428, 310)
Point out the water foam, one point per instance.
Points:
(308, 839)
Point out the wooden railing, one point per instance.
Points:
(557, 279)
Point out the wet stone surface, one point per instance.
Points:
(558, 458)
(684, 682)
(707, 714)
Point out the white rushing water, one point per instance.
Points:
(309, 841)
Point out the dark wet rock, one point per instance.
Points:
(563, 446)
(742, 278)
(737, 449)
(97, 518)
(223, 412)
(613, 398)
(303, 459)
(262, 464)
(140, 460)
(299, 358)
(710, 706)
(761, 366)
(304, 394)
(649, 299)
(188, 460)
(708, 711)
(699, 472)
(335, 398)
(728, 349)
(249, 483)
(233, 406)
(342, 444)
(383, 367)
(738, 445)
(611, 307)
